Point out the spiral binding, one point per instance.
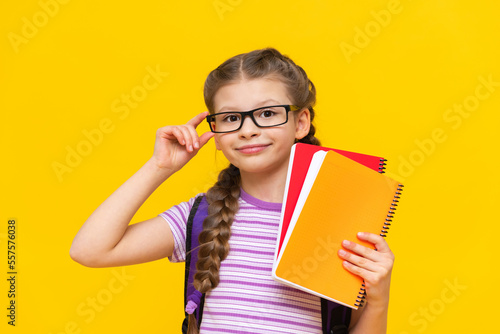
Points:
(360, 300)
(381, 165)
(390, 215)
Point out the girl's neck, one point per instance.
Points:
(267, 187)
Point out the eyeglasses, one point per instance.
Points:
(264, 117)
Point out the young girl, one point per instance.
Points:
(260, 104)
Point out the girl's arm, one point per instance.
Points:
(375, 267)
(106, 239)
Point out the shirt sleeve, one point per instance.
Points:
(176, 218)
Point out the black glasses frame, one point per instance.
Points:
(244, 114)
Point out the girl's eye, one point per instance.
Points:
(231, 118)
(267, 113)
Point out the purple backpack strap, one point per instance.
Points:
(335, 317)
(194, 226)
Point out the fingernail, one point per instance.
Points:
(342, 252)
(346, 243)
(196, 145)
(190, 148)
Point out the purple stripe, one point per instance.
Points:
(268, 245)
(234, 249)
(183, 212)
(258, 301)
(175, 228)
(254, 223)
(252, 210)
(263, 285)
(259, 216)
(279, 288)
(253, 239)
(252, 236)
(234, 331)
(218, 330)
(255, 268)
(272, 320)
(286, 306)
(172, 218)
(307, 305)
(259, 203)
(179, 250)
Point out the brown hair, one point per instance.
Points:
(223, 196)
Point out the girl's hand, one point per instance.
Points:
(374, 266)
(176, 145)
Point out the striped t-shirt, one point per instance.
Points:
(248, 299)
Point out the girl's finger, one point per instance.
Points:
(358, 261)
(363, 251)
(196, 120)
(356, 270)
(377, 240)
(177, 134)
(372, 278)
(195, 139)
(187, 138)
(165, 132)
(204, 138)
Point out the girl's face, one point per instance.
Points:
(253, 149)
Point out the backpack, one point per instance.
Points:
(335, 318)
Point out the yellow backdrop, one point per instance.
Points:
(85, 84)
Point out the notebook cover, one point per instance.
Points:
(346, 198)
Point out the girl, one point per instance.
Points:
(260, 104)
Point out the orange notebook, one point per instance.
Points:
(339, 198)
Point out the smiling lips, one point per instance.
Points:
(250, 149)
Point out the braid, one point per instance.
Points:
(214, 239)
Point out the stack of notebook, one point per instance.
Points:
(330, 195)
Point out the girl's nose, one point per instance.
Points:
(249, 128)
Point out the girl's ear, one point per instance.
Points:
(302, 123)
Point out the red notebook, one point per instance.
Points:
(300, 158)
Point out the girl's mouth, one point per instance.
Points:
(251, 149)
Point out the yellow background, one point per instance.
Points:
(386, 97)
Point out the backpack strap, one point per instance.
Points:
(335, 317)
(193, 229)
